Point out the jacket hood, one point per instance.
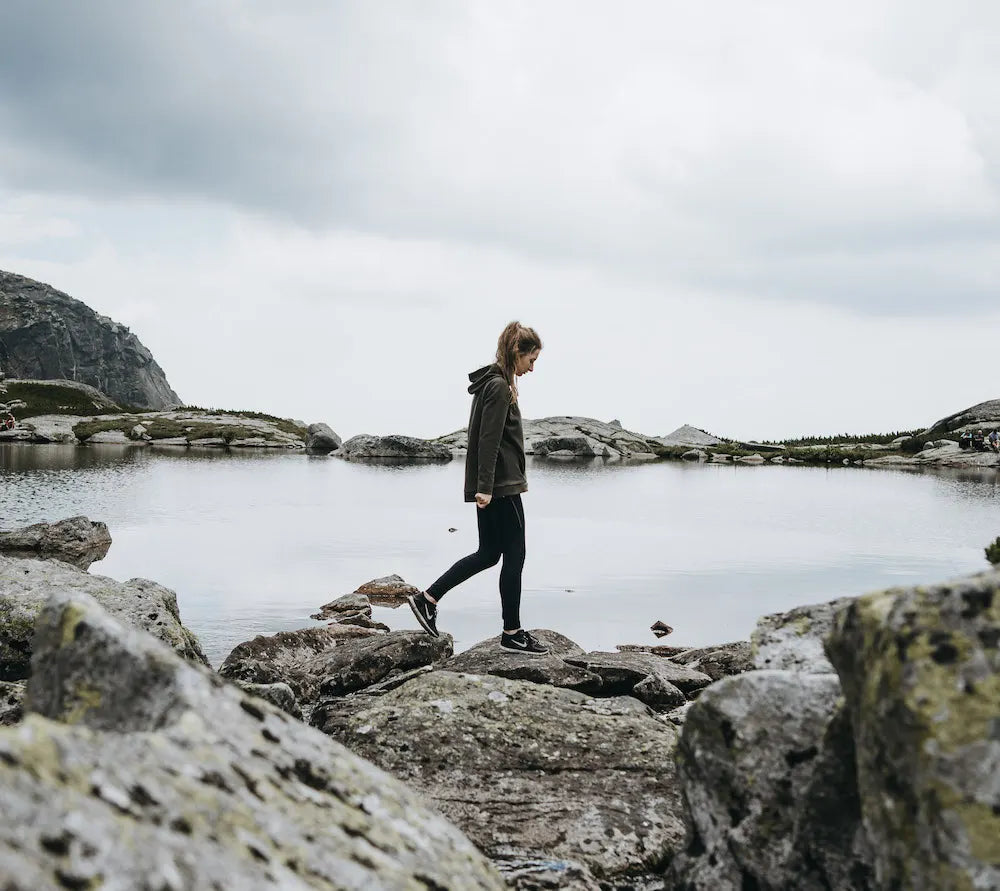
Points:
(480, 376)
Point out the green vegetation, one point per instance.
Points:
(284, 424)
(52, 399)
(171, 428)
(993, 552)
(844, 438)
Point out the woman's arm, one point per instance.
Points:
(496, 401)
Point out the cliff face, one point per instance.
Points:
(47, 335)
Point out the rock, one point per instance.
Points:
(361, 620)
(920, 669)
(898, 442)
(136, 770)
(108, 437)
(620, 672)
(322, 439)
(51, 429)
(750, 459)
(11, 699)
(695, 455)
(722, 660)
(46, 334)
(690, 436)
(77, 541)
(365, 446)
(654, 649)
(390, 590)
(746, 758)
(793, 640)
(678, 715)
(25, 586)
(356, 664)
(723, 459)
(346, 605)
(487, 657)
(287, 657)
(780, 459)
(139, 432)
(530, 771)
(279, 695)
(572, 446)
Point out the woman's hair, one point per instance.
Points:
(515, 339)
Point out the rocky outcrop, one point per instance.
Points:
(46, 334)
(690, 436)
(409, 448)
(566, 436)
(77, 541)
(920, 669)
(718, 661)
(136, 770)
(534, 774)
(793, 640)
(26, 585)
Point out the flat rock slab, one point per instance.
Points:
(77, 541)
(531, 771)
(720, 660)
(487, 657)
(793, 640)
(26, 585)
(622, 671)
(347, 605)
(137, 770)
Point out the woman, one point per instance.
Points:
(494, 480)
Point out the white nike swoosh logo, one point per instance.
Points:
(523, 646)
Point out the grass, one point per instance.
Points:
(843, 438)
(169, 428)
(52, 399)
(284, 424)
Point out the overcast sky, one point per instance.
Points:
(763, 219)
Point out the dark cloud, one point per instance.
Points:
(814, 157)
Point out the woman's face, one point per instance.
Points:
(525, 362)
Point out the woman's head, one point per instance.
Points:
(517, 349)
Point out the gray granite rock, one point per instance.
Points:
(575, 446)
(746, 759)
(390, 590)
(346, 605)
(531, 771)
(621, 672)
(77, 541)
(11, 699)
(322, 439)
(25, 586)
(409, 448)
(718, 661)
(793, 640)
(134, 769)
(279, 695)
(920, 669)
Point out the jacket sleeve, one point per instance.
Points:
(496, 401)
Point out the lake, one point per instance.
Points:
(253, 543)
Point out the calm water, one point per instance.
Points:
(253, 543)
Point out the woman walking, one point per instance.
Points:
(494, 480)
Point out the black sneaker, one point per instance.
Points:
(426, 613)
(522, 642)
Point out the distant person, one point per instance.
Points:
(994, 440)
(494, 480)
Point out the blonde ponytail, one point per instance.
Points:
(516, 339)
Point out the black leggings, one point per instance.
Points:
(501, 534)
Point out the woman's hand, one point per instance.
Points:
(483, 500)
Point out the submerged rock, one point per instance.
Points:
(26, 585)
(920, 669)
(137, 770)
(77, 541)
(531, 771)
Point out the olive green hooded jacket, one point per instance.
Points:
(494, 463)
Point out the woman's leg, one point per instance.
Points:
(513, 547)
(490, 547)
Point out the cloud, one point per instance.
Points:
(846, 155)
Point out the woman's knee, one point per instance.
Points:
(488, 558)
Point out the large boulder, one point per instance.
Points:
(320, 438)
(409, 448)
(134, 769)
(756, 760)
(920, 669)
(46, 334)
(574, 446)
(531, 772)
(77, 541)
(793, 640)
(26, 585)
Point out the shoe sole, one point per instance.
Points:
(521, 652)
(423, 622)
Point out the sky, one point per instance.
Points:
(763, 219)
